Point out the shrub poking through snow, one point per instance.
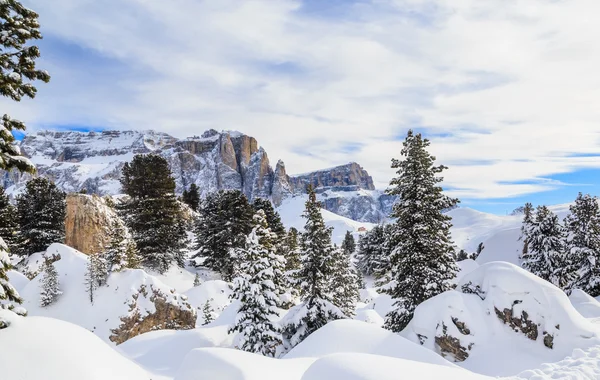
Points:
(50, 285)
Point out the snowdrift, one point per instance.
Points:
(130, 298)
(36, 348)
(501, 320)
(348, 336)
(585, 304)
(215, 292)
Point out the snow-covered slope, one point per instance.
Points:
(126, 293)
(38, 348)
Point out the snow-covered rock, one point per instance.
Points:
(131, 303)
(36, 348)
(501, 320)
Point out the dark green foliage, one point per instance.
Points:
(191, 197)
(292, 254)
(224, 222)
(19, 26)
(527, 219)
(153, 213)
(345, 283)
(349, 245)
(273, 218)
(373, 254)
(422, 263)
(41, 212)
(9, 223)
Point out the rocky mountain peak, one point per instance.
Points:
(347, 177)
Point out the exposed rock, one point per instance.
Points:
(86, 223)
(450, 347)
(281, 184)
(341, 178)
(520, 323)
(167, 315)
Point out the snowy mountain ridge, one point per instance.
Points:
(92, 161)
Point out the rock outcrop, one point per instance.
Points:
(93, 161)
(87, 223)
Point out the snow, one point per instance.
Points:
(34, 348)
(18, 280)
(216, 292)
(585, 304)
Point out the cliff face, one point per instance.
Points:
(87, 223)
(93, 161)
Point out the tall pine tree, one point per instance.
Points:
(348, 245)
(9, 223)
(422, 263)
(373, 252)
(153, 213)
(314, 277)
(17, 72)
(121, 252)
(223, 225)
(344, 283)
(583, 242)
(525, 227)
(257, 293)
(191, 197)
(41, 211)
(292, 253)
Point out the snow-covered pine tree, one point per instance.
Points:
(197, 281)
(153, 213)
(20, 26)
(583, 243)
(372, 255)
(545, 239)
(9, 224)
(91, 278)
(8, 294)
(50, 285)
(344, 283)
(349, 245)
(314, 277)
(191, 197)
(41, 210)
(525, 227)
(257, 293)
(292, 254)
(118, 255)
(224, 222)
(422, 263)
(207, 313)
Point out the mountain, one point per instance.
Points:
(92, 161)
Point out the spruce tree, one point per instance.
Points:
(257, 293)
(314, 277)
(121, 252)
(225, 220)
(583, 243)
(50, 285)
(91, 278)
(349, 245)
(8, 294)
(197, 281)
(525, 227)
(207, 313)
(18, 70)
(153, 214)
(545, 239)
(273, 218)
(344, 283)
(191, 197)
(41, 211)
(292, 253)
(9, 223)
(373, 253)
(422, 263)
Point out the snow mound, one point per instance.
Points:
(35, 348)
(373, 367)
(126, 293)
(349, 336)
(465, 267)
(585, 304)
(501, 320)
(216, 292)
(18, 280)
(580, 365)
(229, 364)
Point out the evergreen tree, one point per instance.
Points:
(224, 222)
(91, 277)
(121, 252)
(8, 294)
(9, 224)
(18, 70)
(583, 243)
(273, 218)
(525, 227)
(373, 252)
(50, 286)
(207, 313)
(41, 211)
(153, 214)
(349, 245)
(344, 283)
(191, 197)
(255, 289)
(545, 238)
(315, 276)
(292, 253)
(422, 264)
(480, 249)
(197, 281)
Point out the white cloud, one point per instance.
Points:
(511, 85)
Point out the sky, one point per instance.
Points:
(506, 90)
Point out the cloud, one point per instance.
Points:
(505, 89)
